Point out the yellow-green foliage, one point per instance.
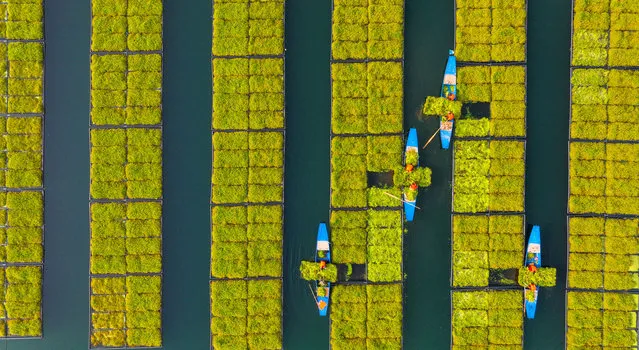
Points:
(368, 30)
(246, 314)
(363, 315)
(126, 311)
(481, 243)
(604, 178)
(126, 25)
(605, 33)
(491, 31)
(247, 27)
(603, 253)
(596, 319)
(489, 176)
(504, 87)
(487, 319)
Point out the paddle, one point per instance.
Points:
(313, 293)
(409, 203)
(432, 137)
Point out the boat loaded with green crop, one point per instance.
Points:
(604, 33)
(603, 211)
(22, 192)
(491, 31)
(126, 174)
(247, 185)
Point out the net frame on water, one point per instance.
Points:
(92, 126)
(246, 204)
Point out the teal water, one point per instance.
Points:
(187, 152)
(547, 158)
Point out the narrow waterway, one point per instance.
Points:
(187, 173)
(429, 34)
(547, 158)
(307, 174)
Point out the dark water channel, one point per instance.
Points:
(187, 112)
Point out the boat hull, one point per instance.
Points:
(449, 86)
(322, 245)
(411, 145)
(533, 256)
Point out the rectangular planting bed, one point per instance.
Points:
(126, 174)
(491, 31)
(366, 160)
(605, 33)
(366, 317)
(247, 183)
(21, 164)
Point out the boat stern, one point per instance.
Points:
(530, 305)
(445, 134)
(409, 210)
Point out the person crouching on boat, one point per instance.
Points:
(413, 186)
(532, 288)
(409, 168)
(450, 96)
(450, 116)
(322, 265)
(532, 268)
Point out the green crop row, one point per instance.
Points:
(248, 93)
(126, 163)
(491, 31)
(20, 300)
(126, 25)
(504, 87)
(596, 320)
(248, 27)
(246, 314)
(604, 253)
(489, 176)
(126, 311)
(21, 225)
(21, 161)
(604, 178)
(21, 84)
(368, 30)
(126, 89)
(481, 243)
(247, 167)
(21, 20)
(487, 319)
(367, 97)
(126, 238)
(604, 104)
(605, 33)
(246, 241)
(366, 317)
(373, 237)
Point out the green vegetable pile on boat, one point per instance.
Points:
(311, 271)
(440, 106)
(544, 277)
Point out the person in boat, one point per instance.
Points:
(532, 267)
(450, 116)
(409, 168)
(532, 288)
(322, 265)
(413, 186)
(322, 283)
(451, 96)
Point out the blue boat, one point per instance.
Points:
(449, 86)
(533, 256)
(410, 200)
(322, 253)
